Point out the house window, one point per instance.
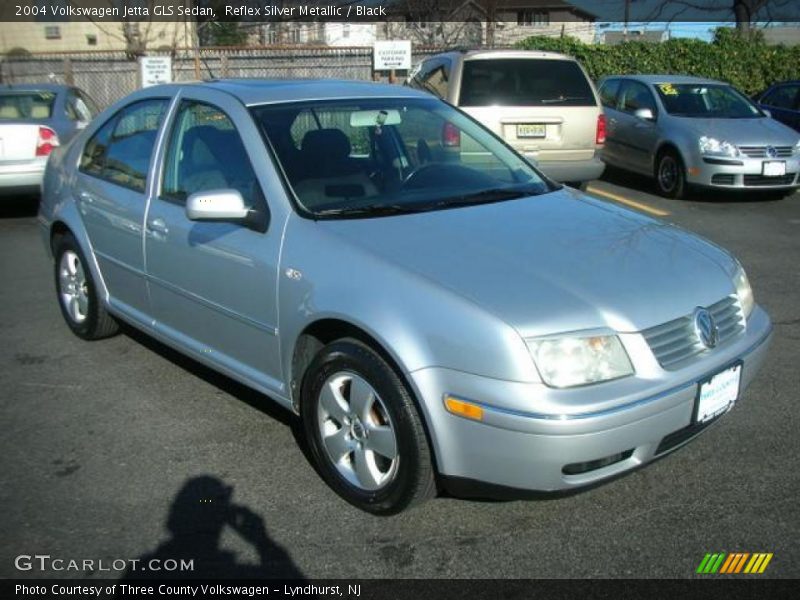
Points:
(533, 18)
(91, 39)
(294, 36)
(52, 32)
(346, 30)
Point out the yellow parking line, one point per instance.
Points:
(649, 209)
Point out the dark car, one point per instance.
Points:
(782, 100)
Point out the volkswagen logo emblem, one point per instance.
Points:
(771, 152)
(705, 328)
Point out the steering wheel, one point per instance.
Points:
(416, 172)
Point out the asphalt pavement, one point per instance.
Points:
(122, 449)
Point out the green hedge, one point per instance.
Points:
(746, 62)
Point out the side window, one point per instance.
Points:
(608, 93)
(436, 80)
(206, 153)
(635, 95)
(93, 158)
(784, 96)
(120, 150)
(77, 108)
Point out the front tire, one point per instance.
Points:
(671, 175)
(364, 430)
(78, 299)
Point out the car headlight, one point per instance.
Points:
(580, 359)
(744, 291)
(715, 147)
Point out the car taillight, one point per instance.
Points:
(600, 138)
(451, 135)
(47, 140)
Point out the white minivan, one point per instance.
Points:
(542, 104)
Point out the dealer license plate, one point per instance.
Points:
(531, 130)
(718, 393)
(774, 168)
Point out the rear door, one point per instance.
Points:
(543, 107)
(110, 190)
(609, 96)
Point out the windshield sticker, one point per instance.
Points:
(667, 89)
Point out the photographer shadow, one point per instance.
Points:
(200, 512)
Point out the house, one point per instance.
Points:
(484, 22)
(612, 38)
(59, 30)
(789, 36)
(316, 33)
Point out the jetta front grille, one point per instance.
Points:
(676, 341)
(787, 179)
(761, 151)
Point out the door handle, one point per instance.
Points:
(158, 225)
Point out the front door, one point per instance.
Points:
(213, 284)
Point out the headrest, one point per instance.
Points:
(332, 143)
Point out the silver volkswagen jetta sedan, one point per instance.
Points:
(436, 316)
(689, 131)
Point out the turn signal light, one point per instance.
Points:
(462, 408)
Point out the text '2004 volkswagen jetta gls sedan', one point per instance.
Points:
(434, 315)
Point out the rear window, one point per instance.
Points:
(25, 106)
(524, 82)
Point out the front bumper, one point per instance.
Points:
(742, 173)
(517, 445)
(22, 176)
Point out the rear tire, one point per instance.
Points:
(671, 175)
(81, 307)
(364, 431)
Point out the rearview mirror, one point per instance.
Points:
(644, 113)
(215, 205)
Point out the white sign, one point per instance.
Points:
(155, 70)
(393, 54)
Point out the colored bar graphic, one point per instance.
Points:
(734, 563)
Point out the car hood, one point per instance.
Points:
(743, 132)
(552, 263)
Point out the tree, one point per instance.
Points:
(225, 33)
(744, 12)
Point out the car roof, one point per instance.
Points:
(34, 87)
(490, 54)
(252, 92)
(653, 79)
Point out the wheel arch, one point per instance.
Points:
(326, 330)
(666, 146)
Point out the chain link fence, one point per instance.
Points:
(109, 76)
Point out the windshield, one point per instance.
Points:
(374, 157)
(21, 106)
(706, 101)
(524, 82)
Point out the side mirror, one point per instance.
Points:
(644, 113)
(81, 124)
(766, 112)
(216, 205)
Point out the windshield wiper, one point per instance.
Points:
(563, 99)
(370, 210)
(485, 197)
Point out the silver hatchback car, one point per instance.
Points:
(688, 131)
(434, 317)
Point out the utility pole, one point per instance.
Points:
(627, 18)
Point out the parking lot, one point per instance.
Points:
(103, 444)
